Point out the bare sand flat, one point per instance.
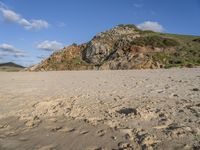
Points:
(96, 110)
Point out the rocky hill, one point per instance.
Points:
(126, 47)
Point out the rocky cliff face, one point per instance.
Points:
(103, 45)
(123, 47)
(69, 58)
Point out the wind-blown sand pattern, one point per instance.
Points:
(100, 110)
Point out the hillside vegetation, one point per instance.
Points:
(126, 47)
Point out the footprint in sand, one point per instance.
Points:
(101, 133)
(146, 140)
(3, 126)
(127, 111)
(11, 133)
(33, 122)
(128, 133)
(57, 128)
(62, 129)
(125, 146)
(175, 130)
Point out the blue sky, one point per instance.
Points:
(32, 29)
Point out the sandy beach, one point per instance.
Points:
(100, 110)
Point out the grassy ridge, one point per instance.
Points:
(187, 48)
(10, 69)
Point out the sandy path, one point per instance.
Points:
(140, 109)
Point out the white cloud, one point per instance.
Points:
(20, 55)
(61, 24)
(138, 5)
(3, 54)
(35, 24)
(24, 22)
(9, 50)
(149, 25)
(12, 16)
(50, 45)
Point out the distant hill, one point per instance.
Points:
(10, 66)
(126, 47)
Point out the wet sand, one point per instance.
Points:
(96, 110)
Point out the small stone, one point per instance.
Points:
(195, 89)
(23, 139)
(66, 129)
(160, 91)
(114, 137)
(84, 132)
(173, 95)
(47, 147)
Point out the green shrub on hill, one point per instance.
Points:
(155, 41)
(197, 40)
(128, 25)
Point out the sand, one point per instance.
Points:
(100, 110)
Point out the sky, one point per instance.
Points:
(31, 30)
